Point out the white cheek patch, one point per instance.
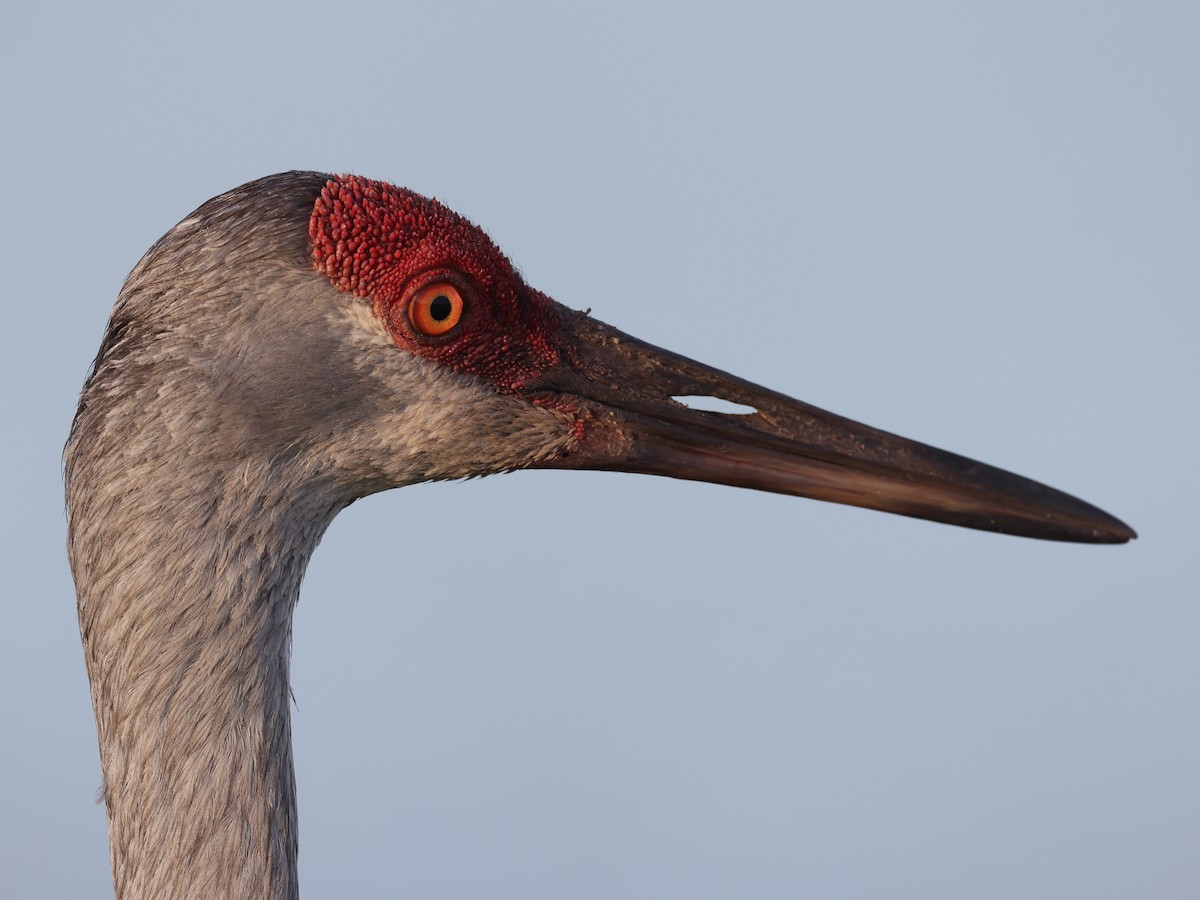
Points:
(360, 316)
(428, 421)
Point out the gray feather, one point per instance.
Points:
(238, 402)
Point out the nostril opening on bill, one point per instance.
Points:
(715, 404)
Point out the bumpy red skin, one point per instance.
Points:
(385, 243)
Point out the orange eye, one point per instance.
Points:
(435, 309)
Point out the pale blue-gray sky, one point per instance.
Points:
(976, 227)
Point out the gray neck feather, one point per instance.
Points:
(189, 536)
(237, 404)
(188, 652)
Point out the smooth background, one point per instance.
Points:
(974, 225)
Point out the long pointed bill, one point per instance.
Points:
(621, 389)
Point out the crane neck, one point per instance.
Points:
(187, 636)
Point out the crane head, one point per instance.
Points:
(402, 345)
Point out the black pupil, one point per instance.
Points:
(440, 308)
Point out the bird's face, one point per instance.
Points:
(500, 376)
(440, 286)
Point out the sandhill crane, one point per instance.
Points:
(305, 340)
